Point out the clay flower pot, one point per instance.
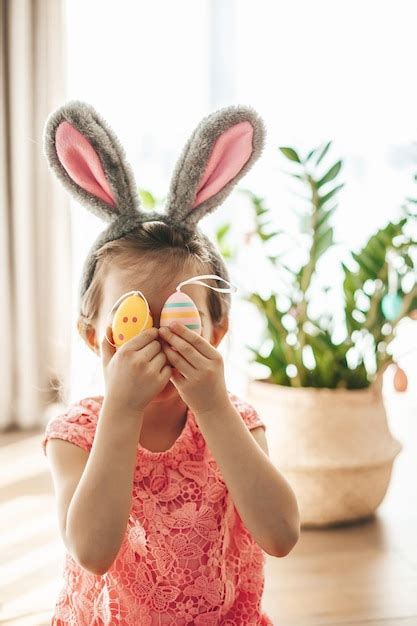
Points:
(332, 445)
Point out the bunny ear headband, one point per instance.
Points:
(87, 157)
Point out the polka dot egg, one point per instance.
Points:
(129, 319)
(180, 308)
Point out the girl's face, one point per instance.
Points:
(117, 282)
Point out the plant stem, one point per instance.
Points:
(308, 270)
(375, 301)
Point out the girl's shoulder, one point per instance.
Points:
(75, 423)
(247, 411)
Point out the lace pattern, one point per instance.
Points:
(186, 557)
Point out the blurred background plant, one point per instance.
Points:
(308, 350)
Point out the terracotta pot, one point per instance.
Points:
(332, 445)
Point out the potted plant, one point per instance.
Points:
(322, 401)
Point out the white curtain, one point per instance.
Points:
(35, 269)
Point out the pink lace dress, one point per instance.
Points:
(186, 557)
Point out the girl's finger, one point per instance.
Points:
(186, 349)
(106, 349)
(150, 351)
(176, 376)
(159, 361)
(177, 361)
(200, 344)
(141, 340)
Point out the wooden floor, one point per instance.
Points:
(363, 575)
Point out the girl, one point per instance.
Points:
(166, 497)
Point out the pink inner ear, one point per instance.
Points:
(230, 153)
(82, 162)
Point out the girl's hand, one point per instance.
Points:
(199, 370)
(135, 372)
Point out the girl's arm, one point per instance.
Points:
(264, 499)
(98, 511)
(94, 516)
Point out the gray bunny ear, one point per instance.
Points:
(221, 150)
(85, 154)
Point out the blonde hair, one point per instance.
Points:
(156, 241)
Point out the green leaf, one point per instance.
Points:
(222, 232)
(330, 175)
(267, 236)
(265, 223)
(326, 198)
(376, 250)
(290, 153)
(227, 252)
(366, 264)
(323, 219)
(323, 153)
(148, 201)
(310, 154)
(323, 243)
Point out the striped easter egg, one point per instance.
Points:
(180, 308)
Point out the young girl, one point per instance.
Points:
(166, 497)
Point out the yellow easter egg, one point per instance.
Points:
(130, 319)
